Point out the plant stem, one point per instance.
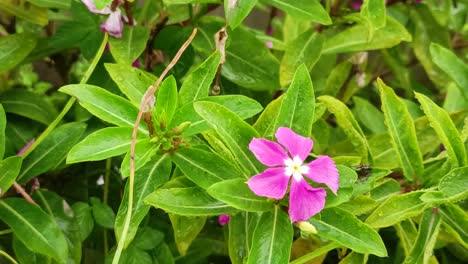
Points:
(315, 253)
(131, 179)
(105, 198)
(24, 193)
(8, 256)
(5, 232)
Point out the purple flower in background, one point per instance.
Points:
(304, 200)
(113, 24)
(224, 219)
(356, 5)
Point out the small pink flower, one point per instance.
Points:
(113, 24)
(224, 219)
(304, 200)
(356, 5)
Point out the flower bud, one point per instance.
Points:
(307, 227)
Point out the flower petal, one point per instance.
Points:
(296, 145)
(114, 24)
(268, 152)
(91, 7)
(323, 170)
(305, 201)
(271, 183)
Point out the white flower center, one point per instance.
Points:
(295, 168)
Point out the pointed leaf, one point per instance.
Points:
(237, 10)
(166, 101)
(305, 9)
(241, 230)
(454, 184)
(186, 229)
(84, 219)
(9, 170)
(144, 152)
(2, 131)
(102, 213)
(30, 13)
(14, 48)
(129, 47)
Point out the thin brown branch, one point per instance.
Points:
(128, 11)
(23, 193)
(149, 44)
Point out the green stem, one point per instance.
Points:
(5, 232)
(8, 257)
(105, 198)
(315, 253)
(70, 102)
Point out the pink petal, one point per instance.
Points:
(323, 170)
(113, 24)
(91, 7)
(271, 183)
(268, 152)
(305, 201)
(297, 145)
(223, 219)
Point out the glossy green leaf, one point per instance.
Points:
(147, 179)
(105, 105)
(84, 219)
(166, 101)
(359, 205)
(337, 78)
(26, 11)
(346, 120)
(343, 227)
(427, 236)
(14, 48)
(26, 256)
(355, 258)
(234, 132)
(368, 115)
(266, 123)
(237, 10)
(102, 144)
(236, 193)
(374, 13)
(52, 151)
(242, 106)
(402, 131)
(272, 239)
(144, 152)
(9, 170)
(356, 38)
(148, 238)
(455, 221)
(198, 82)
(454, 184)
(188, 201)
(453, 66)
(52, 3)
(29, 105)
(2, 131)
(129, 47)
(163, 254)
(445, 129)
(298, 104)
(34, 228)
(347, 179)
(186, 229)
(454, 100)
(102, 213)
(241, 230)
(131, 81)
(396, 209)
(305, 49)
(305, 9)
(203, 167)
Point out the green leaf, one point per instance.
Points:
(237, 10)
(188, 201)
(166, 101)
(144, 151)
(242, 106)
(426, 239)
(355, 258)
(100, 4)
(236, 193)
(14, 48)
(176, 2)
(147, 178)
(396, 209)
(445, 129)
(84, 219)
(454, 184)
(304, 9)
(102, 213)
(453, 66)
(368, 115)
(346, 120)
(105, 105)
(356, 38)
(102, 144)
(9, 169)
(455, 221)
(52, 151)
(402, 131)
(337, 78)
(241, 229)
(131, 81)
(305, 49)
(186, 229)
(234, 132)
(272, 239)
(343, 227)
(373, 12)
(148, 238)
(63, 4)
(129, 47)
(266, 123)
(204, 168)
(34, 228)
(2, 131)
(198, 82)
(298, 104)
(26, 11)
(26, 256)
(29, 105)
(347, 179)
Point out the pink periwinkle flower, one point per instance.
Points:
(223, 219)
(113, 24)
(286, 161)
